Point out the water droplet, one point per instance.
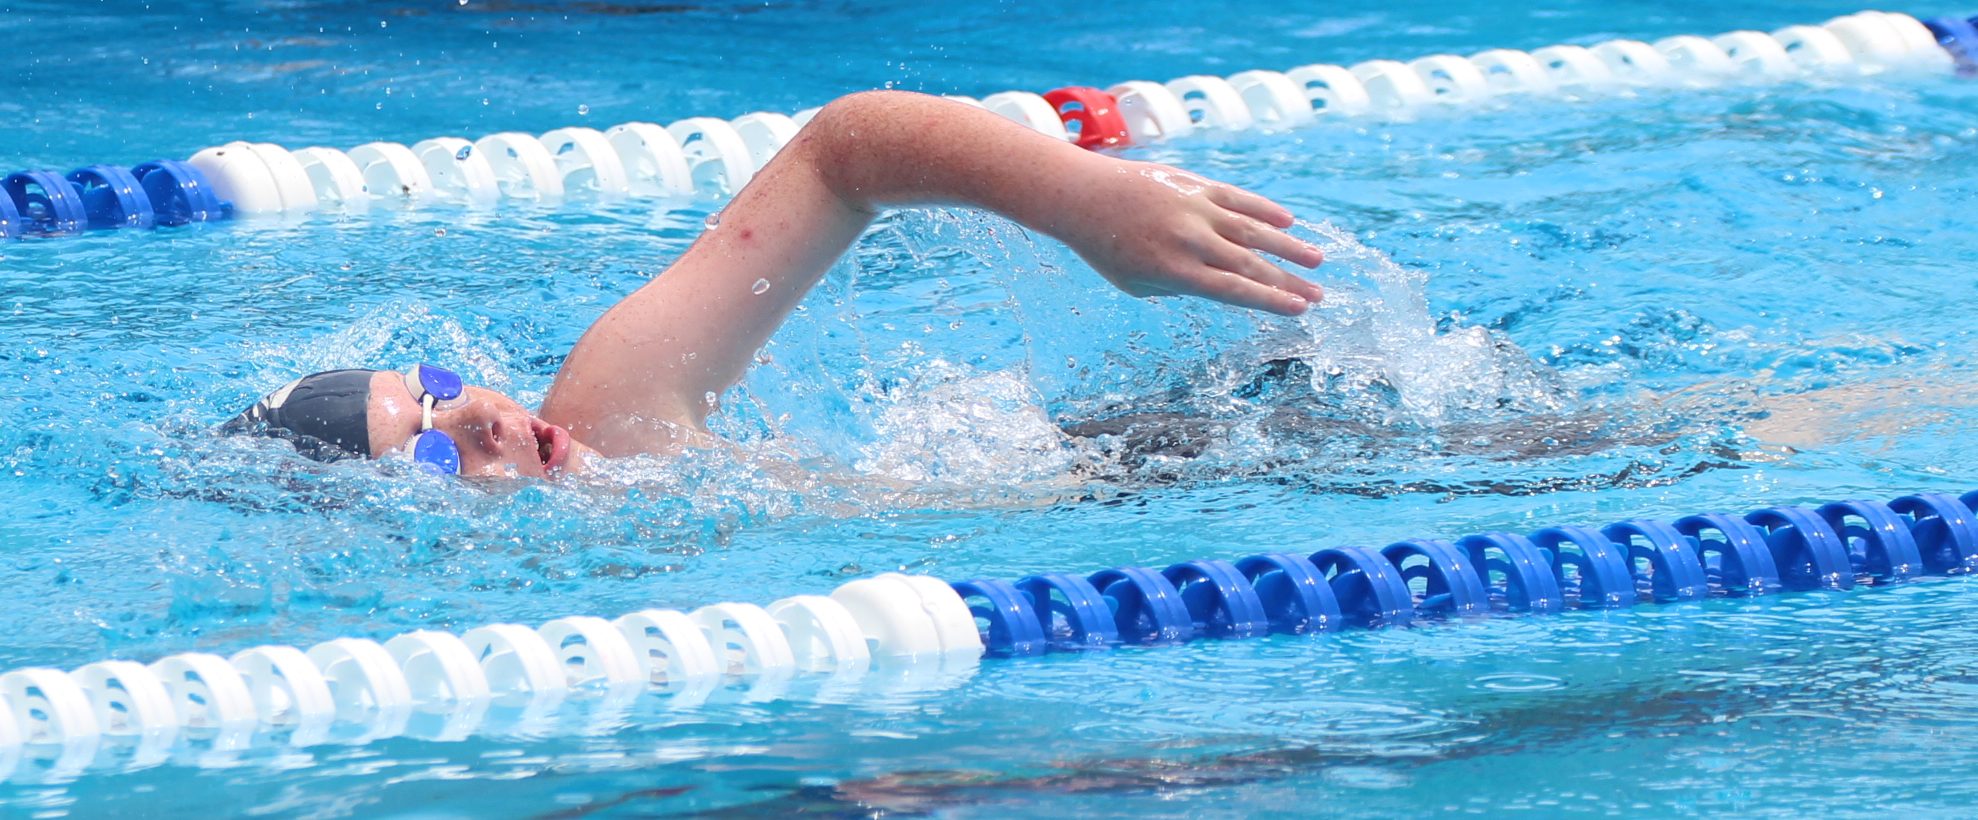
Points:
(712, 221)
(710, 398)
(760, 287)
(583, 110)
(464, 152)
(383, 24)
(484, 101)
(463, 2)
(344, 266)
(439, 231)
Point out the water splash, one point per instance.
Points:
(1369, 380)
(397, 334)
(1375, 347)
(953, 425)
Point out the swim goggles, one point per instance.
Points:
(431, 387)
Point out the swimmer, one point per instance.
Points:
(640, 379)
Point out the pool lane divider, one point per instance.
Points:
(161, 192)
(439, 685)
(715, 157)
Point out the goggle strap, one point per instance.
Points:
(412, 384)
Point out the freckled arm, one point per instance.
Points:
(693, 330)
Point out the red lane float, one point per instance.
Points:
(1095, 112)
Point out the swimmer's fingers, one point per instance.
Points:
(1239, 290)
(1250, 205)
(1241, 260)
(1258, 236)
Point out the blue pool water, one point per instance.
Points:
(1543, 312)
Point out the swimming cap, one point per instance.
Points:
(326, 415)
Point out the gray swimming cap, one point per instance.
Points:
(325, 415)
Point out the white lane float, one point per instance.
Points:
(652, 158)
(716, 153)
(393, 173)
(823, 636)
(457, 172)
(586, 161)
(337, 180)
(288, 690)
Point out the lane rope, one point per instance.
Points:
(709, 156)
(497, 677)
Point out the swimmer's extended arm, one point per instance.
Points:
(640, 376)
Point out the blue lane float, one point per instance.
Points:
(105, 197)
(1008, 617)
(1295, 599)
(1959, 36)
(1944, 532)
(112, 197)
(180, 194)
(1146, 607)
(1528, 583)
(1370, 589)
(11, 224)
(1736, 558)
(1071, 613)
(47, 203)
(1831, 547)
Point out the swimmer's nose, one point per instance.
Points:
(483, 424)
(497, 433)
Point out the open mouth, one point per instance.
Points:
(552, 444)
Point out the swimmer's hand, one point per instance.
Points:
(1152, 230)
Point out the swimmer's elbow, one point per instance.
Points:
(840, 120)
(851, 141)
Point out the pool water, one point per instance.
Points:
(1542, 312)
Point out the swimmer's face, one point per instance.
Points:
(496, 436)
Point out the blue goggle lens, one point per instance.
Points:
(436, 452)
(440, 383)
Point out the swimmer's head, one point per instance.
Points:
(425, 414)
